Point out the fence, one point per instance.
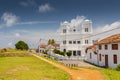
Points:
(60, 57)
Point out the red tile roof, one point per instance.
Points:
(112, 39)
(93, 47)
(43, 45)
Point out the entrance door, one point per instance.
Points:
(106, 60)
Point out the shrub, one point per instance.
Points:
(69, 53)
(62, 53)
(3, 50)
(118, 68)
(56, 51)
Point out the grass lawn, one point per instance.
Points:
(110, 74)
(29, 68)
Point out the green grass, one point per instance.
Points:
(29, 68)
(110, 74)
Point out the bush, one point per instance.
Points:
(118, 68)
(69, 53)
(56, 51)
(21, 45)
(62, 53)
(3, 50)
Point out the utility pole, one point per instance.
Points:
(39, 45)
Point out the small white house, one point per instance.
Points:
(91, 55)
(42, 47)
(108, 52)
(54, 46)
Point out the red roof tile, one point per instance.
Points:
(43, 45)
(112, 39)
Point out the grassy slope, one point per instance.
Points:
(29, 68)
(110, 74)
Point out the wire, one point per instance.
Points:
(88, 36)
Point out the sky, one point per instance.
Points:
(30, 20)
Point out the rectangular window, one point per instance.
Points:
(86, 41)
(114, 46)
(79, 53)
(64, 50)
(78, 42)
(64, 30)
(70, 42)
(74, 53)
(100, 57)
(115, 59)
(74, 42)
(90, 56)
(86, 29)
(106, 46)
(100, 47)
(64, 42)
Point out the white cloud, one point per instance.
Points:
(24, 4)
(77, 21)
(10, 44)
(109, 29)
(9, 19)
(35, 22)
(17, 34)
(29, 36)
(45, 8)
(28, 3)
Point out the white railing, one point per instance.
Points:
(60, 57)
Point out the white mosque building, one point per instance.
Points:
(74, 36)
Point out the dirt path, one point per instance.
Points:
(79, 74)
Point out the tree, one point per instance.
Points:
(69, 53)
(51, 41)
(21, 45)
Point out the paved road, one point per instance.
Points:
(79, 74)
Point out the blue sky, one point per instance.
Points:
(34, 18)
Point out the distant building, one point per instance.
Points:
(108, 52)
(42, 47)
(74, 36)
